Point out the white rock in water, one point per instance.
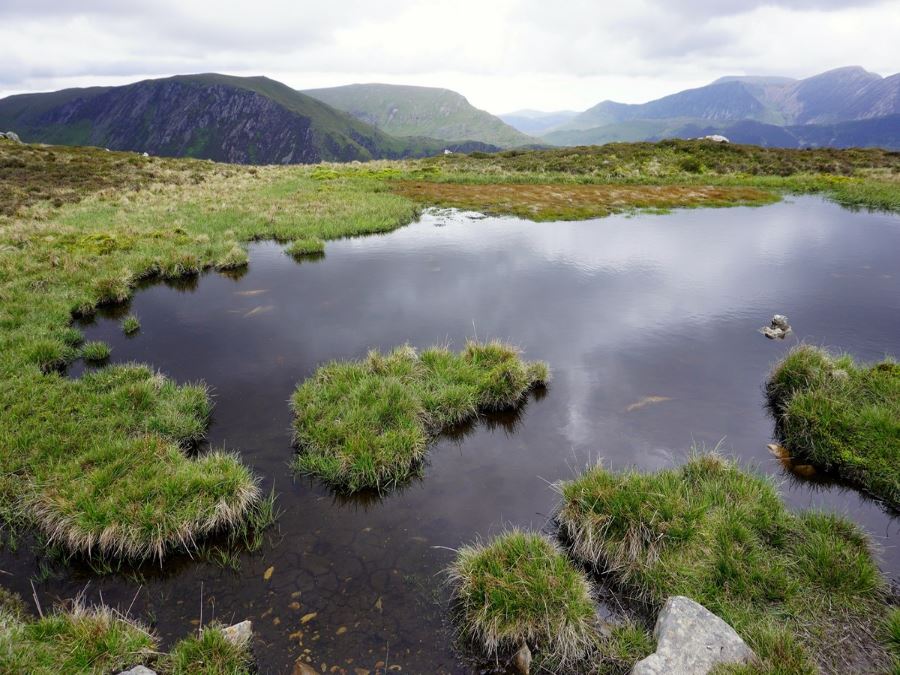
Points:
(772, 333)
(138, 670)
(240, 633)
(691, 640)
(780, 321)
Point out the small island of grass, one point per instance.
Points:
(366, 424)
(802, 590)
(521, 589)
(842, 417)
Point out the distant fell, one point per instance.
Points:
(211, 116)
(402, 110)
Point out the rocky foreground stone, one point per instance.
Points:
(691, 640)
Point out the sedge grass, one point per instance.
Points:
(842, 417)
(802, 590)
(367, 424)
(131, 324)
(521, 589)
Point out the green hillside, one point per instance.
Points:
(233, 119)
(421, 111)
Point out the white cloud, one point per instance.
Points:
(502, 55)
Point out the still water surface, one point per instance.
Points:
(649, 324)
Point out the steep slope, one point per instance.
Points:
(231, 119)
(834, 96)
(420, 111)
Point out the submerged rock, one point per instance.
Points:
(240, 633)
(521, 662)
(691, 640)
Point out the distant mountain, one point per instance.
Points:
(834, 97)
(883, 132)
(536, 122)
(421, 111)
(219, 117)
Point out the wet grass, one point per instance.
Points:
(367, 424)
(841, 417)
(130, 325)
(521, 589)
(95, 352)
(209, 653)
(305, 247)
(555, 201)
(802, 590)
(99, 640)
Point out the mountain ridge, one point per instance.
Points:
(209, 116)
(407, 110)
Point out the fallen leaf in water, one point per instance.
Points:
(308, 617)
(296, 594)
(647, 400)
(259, 310)
(276, 621)
(268, 573)
(294, 605)
(249, 294)
(378, 604)
(341, 630)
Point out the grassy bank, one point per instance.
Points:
(367, 424)
(842, 417)
(98, 640)
(802, 590)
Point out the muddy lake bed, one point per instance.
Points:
(649, 324)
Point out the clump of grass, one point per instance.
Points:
(210, 653)
(520, 588)
(79, 640)
(130, 325)
(306, 247)
(95, 352)
(788, 584)
(366, 424)
(841, 417)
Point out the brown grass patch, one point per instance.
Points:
(573, 202)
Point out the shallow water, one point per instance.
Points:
(649, 324)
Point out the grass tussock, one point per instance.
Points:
(97, 640)
(367, 424)
(521, 589)
(95, 352)
(131, 324)
(802, 590)
(842, 417)
(300, 248)
(82, 639)
(209, 653)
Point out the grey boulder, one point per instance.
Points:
(138, 670)
(239, 634)
(691, 640)
(11, 136)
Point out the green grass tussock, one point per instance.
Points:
(130, 325)
(90, 640)
(95, 352)
(367, 424)
(209, 653)
(520, 588)
(789, 584)
(841, 416)
(97, 640)
(306, 247)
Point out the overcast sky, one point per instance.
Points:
(501, 54)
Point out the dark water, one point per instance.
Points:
(621, 308)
